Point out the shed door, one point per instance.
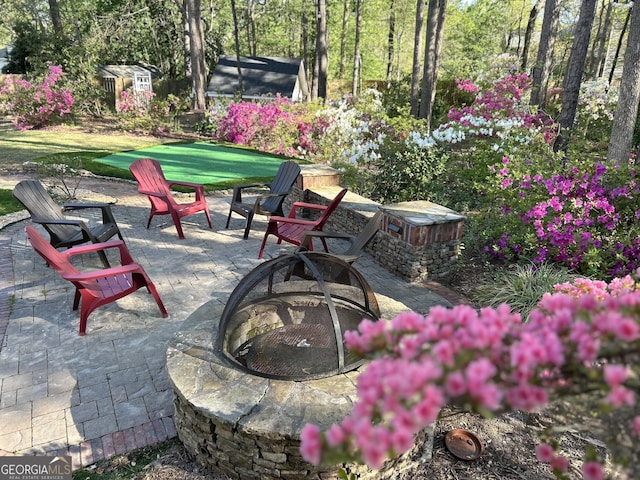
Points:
(142, 81)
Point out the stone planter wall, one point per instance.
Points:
(416, 240)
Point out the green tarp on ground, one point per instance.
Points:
(201, 162)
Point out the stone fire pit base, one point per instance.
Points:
(247, 426)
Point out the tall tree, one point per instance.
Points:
(614, 62)
(346, 13)
(620, 143)
(598, 39)
(234, 13)
(544, 59)
(573, 76)
(322, 46)
(531, 23)
(357, 59)
(415, 69)
(252, 41)
(304, 20)
(435, 26)
(56, 21)
(604, 39)
(391, 38)
(198, 72)
(186, 38)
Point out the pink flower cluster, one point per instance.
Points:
(502, 101)
(36, 104)
(135, 103)
(489, 360)
(272, 126)
(572, 216)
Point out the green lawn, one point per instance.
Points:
(18, 146)
(107, 152)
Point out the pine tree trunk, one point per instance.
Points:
(197, 55)
(531, 23)
(435, 24)
(621, 140)
(415, 71)
(601, 57)
(356, 51)
(573, 77)
(54, 14)
(346, 10)
(390, 39)
(322, 48)
(234, 13)
(614, 63)
(542, 68)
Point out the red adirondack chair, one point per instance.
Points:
(153, 184)
(293, 230)
(99, 287)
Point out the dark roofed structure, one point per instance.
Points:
(261, 77)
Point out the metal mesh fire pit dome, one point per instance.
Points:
(286, 319)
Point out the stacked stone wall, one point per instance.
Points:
(413, 252)
(226, 448)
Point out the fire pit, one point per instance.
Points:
(286, 318)
(248, 375)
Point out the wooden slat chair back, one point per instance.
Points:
(99, 287)
(152, 183)
(292, 229)
(264, 204)
(356, 244)
(64, 231)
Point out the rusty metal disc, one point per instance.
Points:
(463, 444)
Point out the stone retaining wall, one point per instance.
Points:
(416, 240)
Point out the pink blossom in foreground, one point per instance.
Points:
(559, 463)
(311, 443)
(490, 361)
(635, 426)
(544, 452)
(592, 471)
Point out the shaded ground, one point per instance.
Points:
(18, 147)
(508, 440)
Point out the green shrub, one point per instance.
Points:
(522, 286)
(406, 174)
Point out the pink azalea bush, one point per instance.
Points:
(489, 361)
(37, 103)
(586, 218)
(142, 111)
(274, 126)
(499, 113)
(533, 204)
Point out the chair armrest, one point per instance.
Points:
(262, 197)
(297, 221)
(79, 206)
(107, 272)
(87, 234)
(308, 237)
(310, 206)
(251, 185)
(51, 221)
(186, 184)
(125, 256)
(107, 214)
(153, 193)
(199, 188)
(236, 197)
